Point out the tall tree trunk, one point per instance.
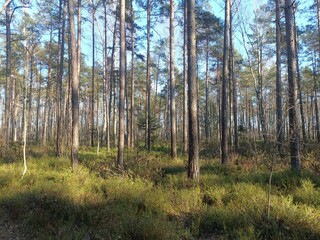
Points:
(224, 103)
(106, 79)
(132, 108)
(5, 128)
(25, 102)
(120, 161)
(193, 159)
(30, 93)
(292, 93)
(280, 130)
(14, 111)
(38, 107)
(259, 93)
(206, 120)
(112, 80)
(234, 87)
(75, 88)
(92, 75)
(185, 79)
(148, 83)
(60, 77)
(173, 120)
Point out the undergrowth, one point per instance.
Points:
(152, 199)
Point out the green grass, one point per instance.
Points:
(153, 199)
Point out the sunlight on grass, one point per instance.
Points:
(154, 200)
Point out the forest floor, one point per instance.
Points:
(9, 230)
(152, 198)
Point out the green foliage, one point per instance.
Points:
(153, 199)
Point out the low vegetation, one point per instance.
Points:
(152, 198)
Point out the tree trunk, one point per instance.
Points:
(193, 159)
(185, 80)
(292, 93)
(234, 87)
(38, 107)
(106, 79)
(122, 67)
(148, 84)
(280, 130)
(132, 108)
(5, 128)
(75, 88)
(224, 103)
(173, 120)
(112, 80)
(92, 75)
(206, 120)
(62, 20)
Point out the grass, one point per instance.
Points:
(153, 199)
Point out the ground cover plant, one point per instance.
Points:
(152, 198)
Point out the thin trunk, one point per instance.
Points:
(132, 109)
(38, 107)
(280, 130)
(185, 80)
(206, 120)
(5, 133)
(106, 79)
(224, 103)
(92, 75)
(193, 159)
(173, 120)
(59, 80)
(122, 67)
(234, 86)
(25, 109)
(148, 84)
(112, 79)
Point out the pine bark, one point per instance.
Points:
(193, 159)
(185, 80)
(120, 161)
(292, 91)
(75, 88)
(224, 103)
(279, 114)
(172, 86)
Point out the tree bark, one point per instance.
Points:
(122, 67)
(193, 159)
(185, 80)
(280, 130)
(234, 86)
(92, 75)
(292, 91)
(5, 128)
(224, 103)
(148, 83)
(75, 88)
(132, 108)
(172, 86)
(106, 79)
(62, 20)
